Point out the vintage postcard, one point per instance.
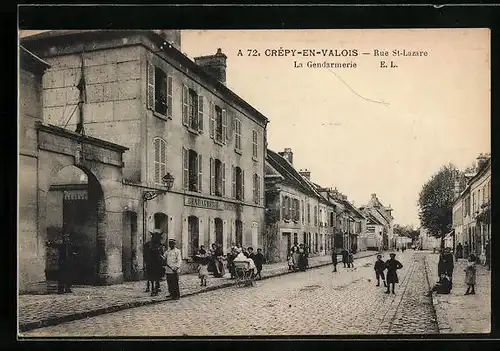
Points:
(254, 182)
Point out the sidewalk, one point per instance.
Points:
(455, 312)
(36, 311)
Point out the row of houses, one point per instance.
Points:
(471, 216)
(121, 134)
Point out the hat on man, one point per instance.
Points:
(392, 254)
(171, 241)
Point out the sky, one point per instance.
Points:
(367, 129)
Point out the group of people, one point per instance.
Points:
(347, 258)
(298, 258)
(214, 261)
(160, 262)
(390, 279)
(445, 273)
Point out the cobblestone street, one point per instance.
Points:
(315, 302)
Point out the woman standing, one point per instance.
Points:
(470, 275)
(392, 266)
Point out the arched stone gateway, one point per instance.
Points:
(80, 193)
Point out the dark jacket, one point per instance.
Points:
(392, 266)
(446, 265)
(345, 256)
(334, 257)
(258, 259)
(379, 266)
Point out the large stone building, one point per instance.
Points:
(472, 210)
(194, 167)
(383, 216)
(292, 209)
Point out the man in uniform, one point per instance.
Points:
(173, 259)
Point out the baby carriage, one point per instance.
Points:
(244, 275)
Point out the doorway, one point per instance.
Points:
(286, 245)
(129, 246)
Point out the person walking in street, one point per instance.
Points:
(258, 259)
(466, 250)
(470, 275)
(379, 270)
(392, 266)
(295, 255)
(459, 251)
(350, 260)
(173, 258)
(302, 258)
(345, 258)
(202, 257)
(334, 259)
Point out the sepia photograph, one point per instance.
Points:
(280, 182)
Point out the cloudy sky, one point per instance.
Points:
(366, 130)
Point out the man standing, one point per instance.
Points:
(334, 259)
(66, 253)
(345, 257)
(258, 259)
(173, 259)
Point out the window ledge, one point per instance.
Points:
(238, 151)
(160, 115)
(255, 159)
(193, 131)
(220, 143)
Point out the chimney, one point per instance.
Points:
(171, 36)
(215, 65)
(305, 173)
(287, 155)
(374, 196)
(481, 161)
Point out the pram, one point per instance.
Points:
(244, 275)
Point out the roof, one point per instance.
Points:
(30, 61)
(372, 219)
(271, 172)
(186, 62)
(290, 174)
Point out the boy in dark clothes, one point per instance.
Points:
(258, 260)
(379, 270)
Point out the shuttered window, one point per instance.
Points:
(160, 160)
(200, 172)
(254, 144)
(169, 96)
(201, 114)
(224, 126)
(237, 131)
(185, 105)
(185, 168)
(212, 120)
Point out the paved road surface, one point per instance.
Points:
(315, 302)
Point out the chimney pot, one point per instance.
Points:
(215, 65)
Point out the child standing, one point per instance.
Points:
(203, 259)
(290, 262)
(470, 275)
(379, 270)
(258, 259)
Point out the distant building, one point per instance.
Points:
(428, 242)
(383, 215)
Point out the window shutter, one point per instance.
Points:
(169, 96)
(185, 168)
(151, 86)
(283, 207)
(200, 172)
(157, 160)
(223, 179)
(163, 160)
(242, 185)
(212, 176)
(224, 126)
(212, 120)
(200, 113)
(185, 105)
(234, 182)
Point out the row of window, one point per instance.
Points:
(479, 197)
(194, 233)
(160, 92)
(290, 209)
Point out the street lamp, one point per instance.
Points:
(168, 180)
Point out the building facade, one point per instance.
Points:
(383, 215)
(178, 120)
(294, 210)
(472, 210)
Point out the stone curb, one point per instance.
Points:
(442, 324)
(110, 309)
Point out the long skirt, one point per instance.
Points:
(296, 260)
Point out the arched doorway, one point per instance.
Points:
(74, 206)
(161, 224)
